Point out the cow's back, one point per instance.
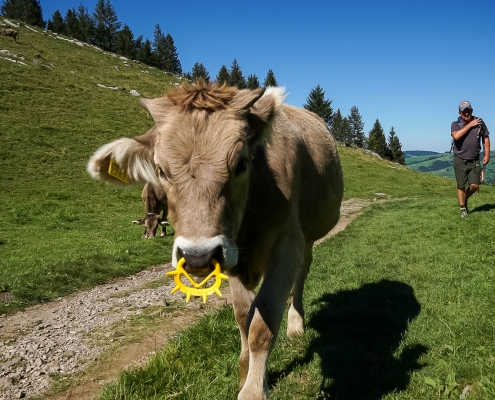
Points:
(302, 140)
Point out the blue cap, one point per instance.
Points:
(465, 104)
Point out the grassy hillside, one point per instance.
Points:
(440, 164)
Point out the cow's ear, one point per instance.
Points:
(138, 222)
(266, 107)
(244, 100)
(263, 112)
(157, 107)
(125, 161)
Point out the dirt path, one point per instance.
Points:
(87, 339)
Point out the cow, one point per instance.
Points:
(252, 183)
(155, 202)
(9, 32)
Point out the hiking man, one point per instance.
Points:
(468, 131)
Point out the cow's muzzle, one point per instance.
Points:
(199, 252)
(199, 264)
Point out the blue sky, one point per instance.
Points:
(408, 64)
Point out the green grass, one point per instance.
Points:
(400, 306)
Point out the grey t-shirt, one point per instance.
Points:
(468, 147)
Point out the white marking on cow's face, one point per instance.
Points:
(205, 245)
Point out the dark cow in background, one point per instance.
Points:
(9, 32)
(155, 202)
(252, 183)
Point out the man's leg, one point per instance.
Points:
(474, 180)
(461, 176)
(470, 190)
(461, 197)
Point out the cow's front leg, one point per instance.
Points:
(241, 300)
(266, 312)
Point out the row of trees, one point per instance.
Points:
(350, 129)
(232, 77)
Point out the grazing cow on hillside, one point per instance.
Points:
(9, 32)
(252, 183)
(155, 201)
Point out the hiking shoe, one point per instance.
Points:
(464, 212)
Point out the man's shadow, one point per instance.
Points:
(483, 208)
(359, 341)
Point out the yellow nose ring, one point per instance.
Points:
(197, 289)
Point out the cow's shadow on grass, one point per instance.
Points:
(358, 341)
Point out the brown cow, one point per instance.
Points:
(9, 32)
(251, 182)
(155, 202)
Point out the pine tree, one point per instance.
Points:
(316, 103)
(125, 44)
(394, 148)
(165, 55)
(107, 25)
(270, 79)
(337, 128)
(28, 11)
(144, 51)
(158, 47)
(376, 139)
(356, 125)
(253, 82)
(236, 78)
(347, 132)
(223, 75)
(86, 25)
(171, 56)
(71, 23)
(56, 24)
(199, 72)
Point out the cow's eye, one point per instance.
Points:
(162, 174)
(242, 166)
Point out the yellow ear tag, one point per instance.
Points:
(115, 171)
(196, 290)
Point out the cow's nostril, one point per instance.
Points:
(180, 253)
(218, 255)
(198, 260)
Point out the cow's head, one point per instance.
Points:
(202, 145)
(151, 222)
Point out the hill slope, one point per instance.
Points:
(441, 164)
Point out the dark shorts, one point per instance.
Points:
(467, 172)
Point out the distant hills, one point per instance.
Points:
(440, 164)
